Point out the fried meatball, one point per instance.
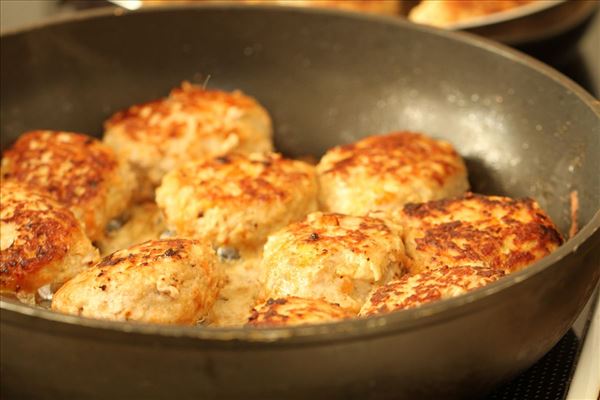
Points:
(170, 281)
(487, 231)
(41, 242)
(190, 123)
(414, 290)
(237, 200)
(449, 12)
(387, 171)
(334, 257)
(77, 170)
(296, 311)
(140, 223)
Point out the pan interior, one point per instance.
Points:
(327, 78)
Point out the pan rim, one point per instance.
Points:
(353, 328)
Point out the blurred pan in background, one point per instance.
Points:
(529, 24)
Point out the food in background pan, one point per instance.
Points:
(243, 241)
(387, 7)
(447, 12)
(441, 13)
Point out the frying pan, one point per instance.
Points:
(328, 78)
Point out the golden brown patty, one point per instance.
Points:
(448, 12)
(77, 170)
(170, 281)
(490, 231)
(41, 241)
(334, 257)
(387, 171)
(415, 290)
(190, 123)
(296, 311)
(237, 200)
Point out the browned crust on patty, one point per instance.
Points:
(404, 155)
(44, 230)
(146, 253)
(190, 124)
(414, 290)
(237, 199)
(498, 232)
(141, 121)
(322, 232)
(295, 311)
(72, 171)
(243, 180)
(75, 169)
(259, 177)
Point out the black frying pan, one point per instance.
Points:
(327, 78)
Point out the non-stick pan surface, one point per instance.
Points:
(327, 78)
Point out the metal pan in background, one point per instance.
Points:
(536, 22)
(532, 22)
(548, 30)
(327, 78)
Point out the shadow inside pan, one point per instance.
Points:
(482, 179)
